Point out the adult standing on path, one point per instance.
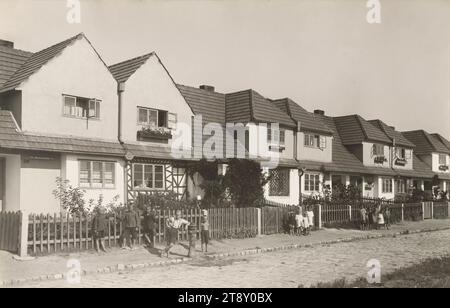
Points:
(131, 223)
(149, 224)
(173, 224)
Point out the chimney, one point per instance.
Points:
(7, 44)
(318, 111)
(207, 88)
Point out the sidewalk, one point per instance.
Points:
(55, 266)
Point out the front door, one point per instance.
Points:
(2, 184)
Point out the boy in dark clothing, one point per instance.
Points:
(99, 229)
(204, 230)
(131, 222)
(149, 224)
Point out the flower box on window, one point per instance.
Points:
(400, 161)
(379, 159)
(163, 133)
(443, 167)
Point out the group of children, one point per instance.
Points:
(301, 222)
(131, 222)
(375, 217)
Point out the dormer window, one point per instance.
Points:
(278, 136)
(378, 150)
(400, 153)
(152, 117)
(315, 141)
(442, 159)
(81, 107)
(276, 139)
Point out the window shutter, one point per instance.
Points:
(408, 154)
(172, 120)
(323, 142)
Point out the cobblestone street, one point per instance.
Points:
(288, 268)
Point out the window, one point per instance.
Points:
(401, 186)
(278, 136)
(315, 141)
(154, 117)
(378, 150)
(387, 185)
(309, 140)
(400, 153)
(312, 182)
(442, 159)
(279, 182)
(148, 176)
(80, 107)
(97, 174)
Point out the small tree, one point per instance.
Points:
(245, 181)
(71, 198)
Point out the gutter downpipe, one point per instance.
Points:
(120, 90)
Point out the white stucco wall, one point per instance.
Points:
(378, 188)
(151, 87)
(70, 171)
(435, 162)
(368, 159)
(314, 154)
(261, 146)
(37, 182)
(293, 189)
(409, 161)
(12, 182)
(76, 71)
(312, 193)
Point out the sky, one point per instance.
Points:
(322, 54)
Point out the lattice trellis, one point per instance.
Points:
(279, 182)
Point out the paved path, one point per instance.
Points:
(287, 268)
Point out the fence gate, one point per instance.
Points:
(9, 231)
(428, 210)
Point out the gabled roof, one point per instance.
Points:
(123, 70)
(341, 156)
(353, 129)
(392, 133)
(35, 61)
(442, 140)
(249, 105)
(211, 105)
(425, 143)
(10, 61)
(308, 121)
(11, 137)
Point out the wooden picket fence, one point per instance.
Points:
(63, 232)
(441, 209)
(337, 213)
(10, 224)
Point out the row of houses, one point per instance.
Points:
(111, 130)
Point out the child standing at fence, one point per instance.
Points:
(204, 230)
(364, 218)
(173, 224)
(387, 217)
(306, 226)
(299, 222)
(99, 228)
(310, 215)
